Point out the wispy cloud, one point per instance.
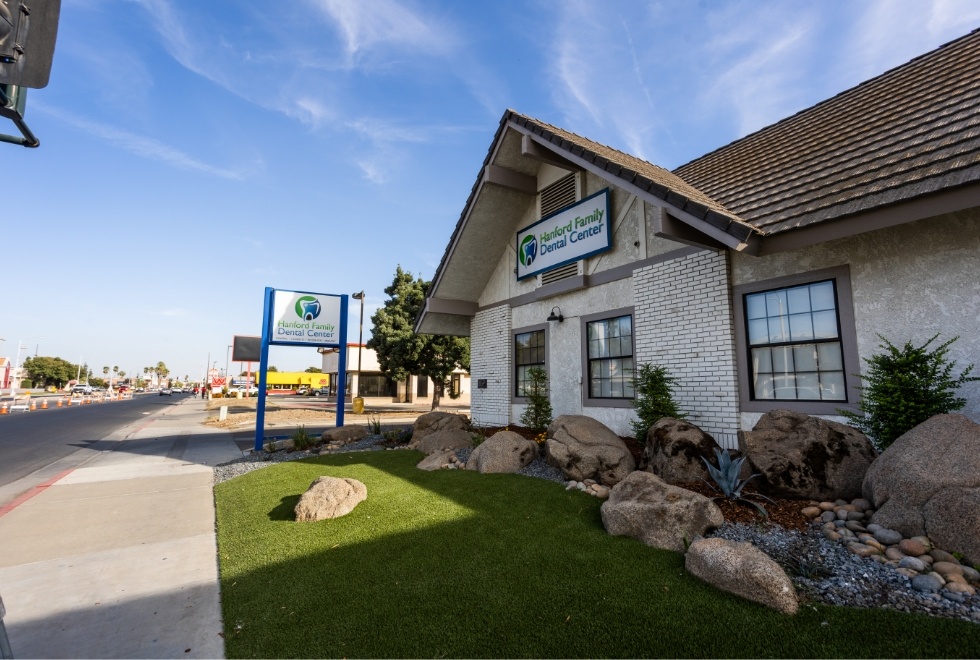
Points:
(373, 28)
(757, 87)
(148, 147)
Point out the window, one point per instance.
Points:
(794, 343)
(529, 352)
(609, 349)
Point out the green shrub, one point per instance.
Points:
(537, 414)
(905, 387)
(303, 440)
(654, 399)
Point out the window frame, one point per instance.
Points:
(521, 400)
(598, 402)
(840, 275)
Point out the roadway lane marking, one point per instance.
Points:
(36, 490)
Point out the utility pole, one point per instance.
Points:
(360, 340)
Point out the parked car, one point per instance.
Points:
(303, 390)
(321, 391)
(166, 390)
(81, 389)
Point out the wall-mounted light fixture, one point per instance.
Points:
(556, 314)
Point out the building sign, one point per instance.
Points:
(575, 232)
(305, 318)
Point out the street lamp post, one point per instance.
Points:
(13, 374)
(360, 338)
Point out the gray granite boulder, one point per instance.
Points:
(330, 497)
(437, 460)
(345, 434)
(744, 570)
(441, 441)
(645, 507)
(504, 451)
(432, 422)
(807, 457)
(585, 448)
(927, 483)
(674, 451)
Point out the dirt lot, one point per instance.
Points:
(241, 413)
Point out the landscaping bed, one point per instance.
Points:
(459, 564)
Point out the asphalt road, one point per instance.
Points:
(30, 441)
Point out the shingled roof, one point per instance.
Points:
(658, 181)
(910, 132)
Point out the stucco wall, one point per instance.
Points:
(908, 282)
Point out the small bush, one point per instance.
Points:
(905, 387)
(654, 399)
(374, 425)
(303, 440)
(537, 414)
(398, 436)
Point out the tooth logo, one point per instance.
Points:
(528, 251)
(307, 308)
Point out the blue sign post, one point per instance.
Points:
(301, 318)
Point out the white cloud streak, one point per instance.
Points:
(149, 148)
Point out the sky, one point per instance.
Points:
(193, 153)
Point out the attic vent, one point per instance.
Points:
(559, 194)
(560, 273)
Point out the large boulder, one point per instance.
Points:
(330, 497)
(927, 483)
(645, 507)
(585, 448)
(674, 451)
(744, 570)
(345, 434)
(441, 441)
(807, 457)
(437, 460)
(432, 422)
(504, 451)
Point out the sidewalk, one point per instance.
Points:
(116, 558)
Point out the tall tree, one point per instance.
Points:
(313, 370)
(44, 371)
(402, 352)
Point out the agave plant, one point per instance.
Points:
(727, 482)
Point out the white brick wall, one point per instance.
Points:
(490, 345)
(683, 319)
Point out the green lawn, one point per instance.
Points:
(459, 564)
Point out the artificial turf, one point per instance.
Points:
(459, 564)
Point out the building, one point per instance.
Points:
(761, 274)
(370, 382)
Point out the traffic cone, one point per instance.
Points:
(58, 405)
(44, 404)
(3, 408)
(33, 406)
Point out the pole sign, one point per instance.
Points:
(302, 318)
(306, 319)
(573, 233)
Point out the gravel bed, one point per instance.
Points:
(826, 572)
(823, 571)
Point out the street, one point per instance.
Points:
(33, 440)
